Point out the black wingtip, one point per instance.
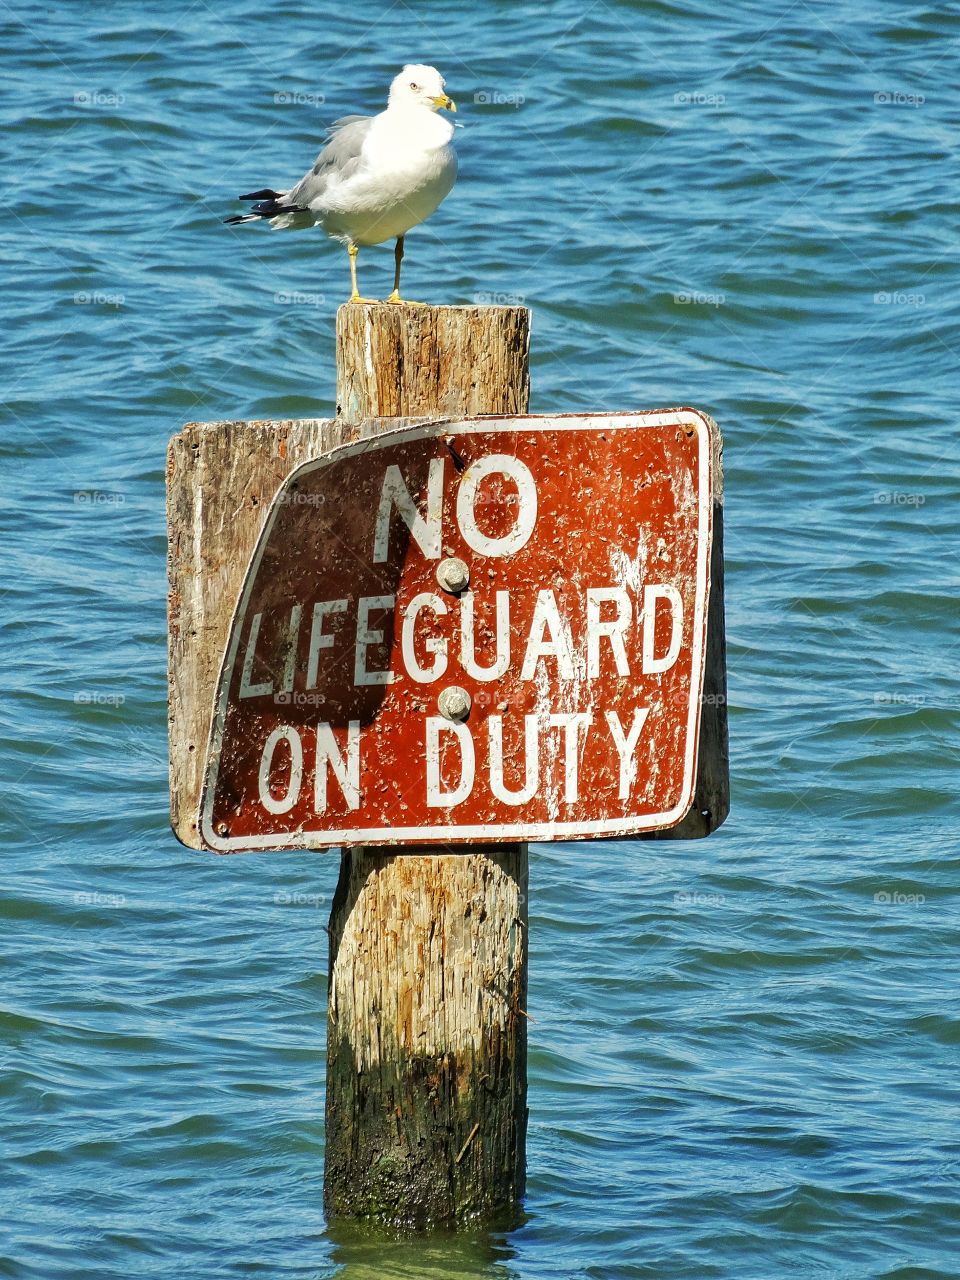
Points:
(265, 194)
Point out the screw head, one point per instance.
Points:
(453, 575)
(454, 703)
(222, 829)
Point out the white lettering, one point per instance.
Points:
(651, 664)
(248, 690)
(519, 535)
(424, 531)
(468, 647)
(531, 761)
(345, 770)
(318, 640)
(571, 724)
(292, 794)
(626, 745)
(436, 645)
(436, 798)
(293, 636)
(546, 617)
(612, 629)
(367, 637)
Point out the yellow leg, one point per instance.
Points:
(397, 259)
(352, 250)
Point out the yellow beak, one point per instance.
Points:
(443, 101)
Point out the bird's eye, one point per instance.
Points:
(414, 86)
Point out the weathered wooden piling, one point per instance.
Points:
(427, 1024)
(427, 1021)
(221, 479)
(442, 361)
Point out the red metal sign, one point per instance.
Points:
(471, 631)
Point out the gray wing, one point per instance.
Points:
(338, 160)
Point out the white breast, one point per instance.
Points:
(408, 167)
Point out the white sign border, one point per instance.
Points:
(440, 835)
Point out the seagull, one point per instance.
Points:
(377, 177)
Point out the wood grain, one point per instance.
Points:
(221, 478)
(426, 1041)
(397, 361)
(427, 1023)
(426, 1085)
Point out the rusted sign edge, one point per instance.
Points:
(705, 429)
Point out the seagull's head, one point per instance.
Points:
(420, 86)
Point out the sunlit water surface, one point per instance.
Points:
(743, 1054)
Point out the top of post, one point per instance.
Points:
(403, 360)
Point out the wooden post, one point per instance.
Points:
(427, 1025)
(426, 1073)
(221, 479)
(442, 361)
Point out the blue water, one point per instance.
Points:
(744, 1055)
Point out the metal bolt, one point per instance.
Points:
(222, 829)
(453, 575)
(454, 703)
